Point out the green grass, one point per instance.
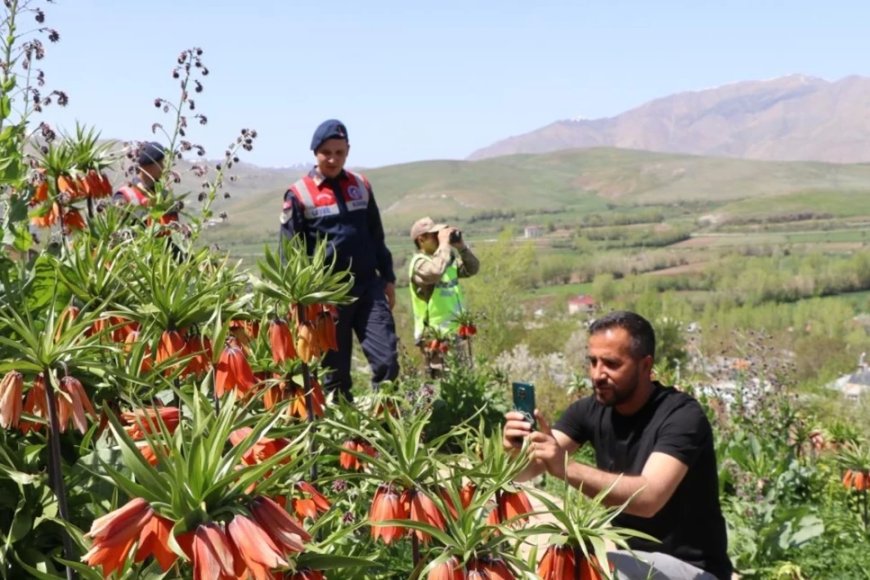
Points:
(576, 190)
(557, 291)
(827, 236)
(836, 203)
(573, 184)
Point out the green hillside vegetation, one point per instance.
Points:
(727, 243)
(590, 186)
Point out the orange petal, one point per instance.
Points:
(255, 546)
(154, 541)
(212, 553)
(287, 534)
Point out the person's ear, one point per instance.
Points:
(646, 365)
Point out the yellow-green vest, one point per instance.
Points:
(442, 307)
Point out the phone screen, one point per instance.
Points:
(524, 401)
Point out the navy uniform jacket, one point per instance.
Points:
(344, 211)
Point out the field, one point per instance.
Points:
(674, 209)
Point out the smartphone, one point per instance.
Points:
(524, 401)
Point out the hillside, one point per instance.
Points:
(793, 118)
(568, 184)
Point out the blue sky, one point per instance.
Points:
(425, 80)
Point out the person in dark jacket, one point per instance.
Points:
(334, 203)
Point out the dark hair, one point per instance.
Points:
(643, 337)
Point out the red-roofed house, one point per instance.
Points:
(583, 303)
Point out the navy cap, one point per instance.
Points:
(331, 129)
(151, 152)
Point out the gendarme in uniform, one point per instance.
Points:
(341, 208)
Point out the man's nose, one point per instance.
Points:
(597, 371)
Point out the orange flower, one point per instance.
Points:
(122, 328)
(45, 218)
(73, 404)
(449, 570)
(185, 542)
(325, 332)
(244, 331)
(213, 557)
(114, 534)
(65, 320)
(281, 341)
(561, 563)
(490, 568)
(99, 184)
(148, 453)
(40, 194)
(145, 420)
(287, 533)
(99, 326)
(154, 541)
(387, 505)
(73, 220)
(466, 494)
(107, 188)
(11, 396)
(306, 345)
(856, 479)
(200, 348)
(67, 185)
(35, 404)
(273, 395)
(171, 344)
(262, 450)
(313, 504)
(233, 371)
(298, 406)
(558, 563)
(255, 547)
(510, 505)
(133, 337)
(422, 509)
(387, 406)
(347, 459)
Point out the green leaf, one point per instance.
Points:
(22, 522)
(9, 86)
(333, 561)
(5, 106)
(809, 527)
(44, 284)
(19, 477)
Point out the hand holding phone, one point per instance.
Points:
(524, 401)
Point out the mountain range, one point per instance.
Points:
(792, 118)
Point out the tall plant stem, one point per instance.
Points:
(309, 401)
(415, 549)
(54, 468)
(578, 558)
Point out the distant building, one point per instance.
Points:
(533, 232)
(583, 303)
(856, 385)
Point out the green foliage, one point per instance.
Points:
(468, 394)
(297, 277)
(494, 294)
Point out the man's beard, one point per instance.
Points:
(617, 397)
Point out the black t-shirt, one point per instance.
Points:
(690, 525)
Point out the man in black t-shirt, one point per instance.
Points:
(657, 439)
